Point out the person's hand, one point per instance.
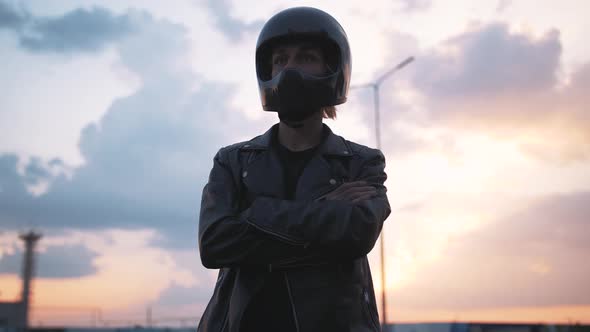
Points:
(352, 191)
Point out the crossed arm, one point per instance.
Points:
(345, 225)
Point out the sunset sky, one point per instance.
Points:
(111, 113)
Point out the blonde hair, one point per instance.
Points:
(329, 112)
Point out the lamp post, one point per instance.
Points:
(375, 86)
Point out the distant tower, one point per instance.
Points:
(30, 240)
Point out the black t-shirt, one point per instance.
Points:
(293, 164)
(270, 309)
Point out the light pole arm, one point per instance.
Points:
(394, 69)
(375, 86)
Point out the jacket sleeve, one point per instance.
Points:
(226, 238)
(329, 230)
(286, 233)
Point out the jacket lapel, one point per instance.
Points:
(263, 175)
(318, 177)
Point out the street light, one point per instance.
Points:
(375, 85)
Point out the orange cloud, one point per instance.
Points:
(506, 85)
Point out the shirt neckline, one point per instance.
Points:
(275, 140)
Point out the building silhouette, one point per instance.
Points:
(16, 314)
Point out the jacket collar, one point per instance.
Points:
(331, 145)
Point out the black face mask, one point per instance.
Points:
(298, 98)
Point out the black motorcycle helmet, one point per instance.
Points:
(292, 91)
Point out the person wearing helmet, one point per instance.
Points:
(289, 216)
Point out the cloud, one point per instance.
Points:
(10, 181)
(80, 30)
(100, 265)
(147, 159)
(71, 261)
(18, 186)
(489, 61)
(415, 5)
(494, 81)
(146, 164)
(503, 5)
(177, 295)
(534, 257)
(11, 17)
(158, 53)
(232, 28)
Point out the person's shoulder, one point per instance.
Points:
(225, 151)
(234, 146)
(363, 151)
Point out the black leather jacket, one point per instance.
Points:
(247, 229)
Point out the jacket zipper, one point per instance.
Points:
(287, 239)
(291, 301)
(323, 193)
